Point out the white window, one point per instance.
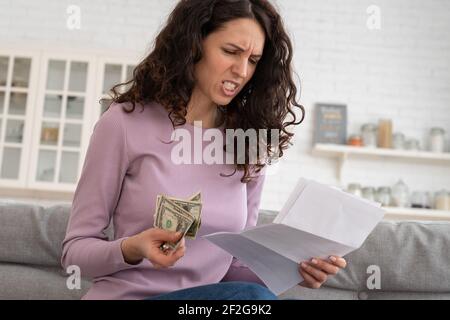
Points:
(112, 72)
(18, 72)
(49, 104)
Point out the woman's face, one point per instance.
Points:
(230, 57)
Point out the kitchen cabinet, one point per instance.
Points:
(49, 104)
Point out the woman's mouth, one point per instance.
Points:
(229, 88)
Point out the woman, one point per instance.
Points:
(226, 63)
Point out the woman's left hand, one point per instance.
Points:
(316, 271)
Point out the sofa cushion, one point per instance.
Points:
(21, 281)
(329, 293)
(32, 234)
(412, 256)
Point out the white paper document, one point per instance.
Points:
(316, 221)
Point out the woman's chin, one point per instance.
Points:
(222, 101)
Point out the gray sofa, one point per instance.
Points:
(413, 259)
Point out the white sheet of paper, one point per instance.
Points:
(333, 214)
(301, 185)
(296, 245)
(316, 221)
(277, 272)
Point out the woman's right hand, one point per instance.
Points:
(146, 245)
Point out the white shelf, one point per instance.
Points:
(344, 150)
(393, 213)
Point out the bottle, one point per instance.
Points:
(369, 135)
(400, 194)
(437, 140)
(398, 141)
(384, 196)
(442, 200)
(355, 189)
(385, 133)
(368, 193)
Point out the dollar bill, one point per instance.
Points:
(171, 217)
(185, 211)
(164, 202)
(194, 208)
(196, 197)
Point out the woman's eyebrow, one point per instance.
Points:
(239, 48)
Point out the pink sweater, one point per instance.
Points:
(125, 168)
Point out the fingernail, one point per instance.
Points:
(303, 265)
(314, 261)
(333, 259)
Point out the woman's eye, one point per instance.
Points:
(228, 52)
(231, 52)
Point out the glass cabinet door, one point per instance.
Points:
(62, 121)
(45, 122)
(114, 73)
(15, 90)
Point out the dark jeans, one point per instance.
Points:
(220, 291)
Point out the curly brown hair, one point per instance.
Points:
(166, 75)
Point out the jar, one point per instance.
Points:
(368, 193)
(355, 189)
(437, 140)
(369, 135)
(412, 145)
(400, 195)
(385, 133)
(384, 196)
(442, 200)
(398, 141)
(355, 140)
(420, 199)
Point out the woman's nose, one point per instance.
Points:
(241, 68)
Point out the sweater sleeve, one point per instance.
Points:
(238, 271)
(95, 199)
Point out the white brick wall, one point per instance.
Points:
(401, 71)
